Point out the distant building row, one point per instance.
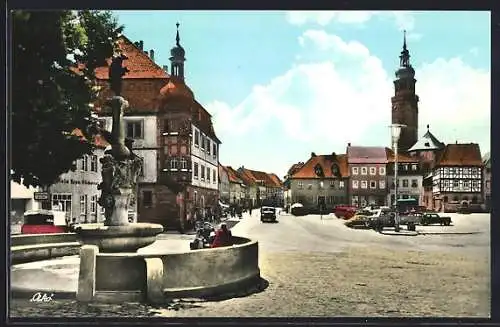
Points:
(438, 176)
(248, 187)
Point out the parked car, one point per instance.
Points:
(268, 214)
(298, 209)
(44, 222)
(430, 218)
(360, 219)
(410, 220)
(345, 211)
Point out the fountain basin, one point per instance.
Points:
(112, 239)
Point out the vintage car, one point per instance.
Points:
(298, 209)
(360, 220)
(268, 214)
(44, 222)
(430, 218)
(345, 211)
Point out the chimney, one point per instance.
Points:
(141, 44)
(165, 68)
(334, 154)
(313, 154)
(349, 144)
(152, 54)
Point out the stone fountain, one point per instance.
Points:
(120, 171)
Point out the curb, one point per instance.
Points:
(448, 233)
(399, 234)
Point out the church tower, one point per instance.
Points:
(405, 101)
(177, 58)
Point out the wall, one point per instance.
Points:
(365, 196)
(190, 274)
(224, 188)
(415, 192)
(150, 168)
(149, 127)
(78, 183)
(308, 194)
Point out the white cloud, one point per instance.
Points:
(325, 17)
(342, 94)
(404, 20)
(474, 51)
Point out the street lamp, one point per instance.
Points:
(395, 133)
(321, 204)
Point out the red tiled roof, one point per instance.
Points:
(326, 162)
(401, 157)
(247, 177)
(233, 175)
(366, 154)
(175, 87)
(139, 64)
(99, 141)
(295, 168)
(276, 180)
(467, 154)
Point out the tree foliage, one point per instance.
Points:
(49, 97)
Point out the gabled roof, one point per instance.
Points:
(139, 64)
(465, 154)
(401, 157)
(233, 175)
(246, 176)
(326, 162)
(277, 181)
(427, 142)
(294, 168)
(366, 154)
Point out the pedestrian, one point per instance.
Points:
(250, 211)
(223, 237)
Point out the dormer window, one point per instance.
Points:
(335, 170)
(427, 144)
(318, 170)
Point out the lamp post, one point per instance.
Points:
(395, 133)
(321, 204)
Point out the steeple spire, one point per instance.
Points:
(404, 58)
(177, 57)
(178, 39)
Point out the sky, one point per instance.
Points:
(282, 84)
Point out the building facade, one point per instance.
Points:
(21, 200)
(237, 189)
(76, 191)
(321, 182)
(171, 131)
(223, 184)
(405, 101)
(487, 182)
(458, 177)
(368, 176)
(410, 179)
(287, 190)
(427, 150)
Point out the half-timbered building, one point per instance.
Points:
(458, 177)
(487, 181)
